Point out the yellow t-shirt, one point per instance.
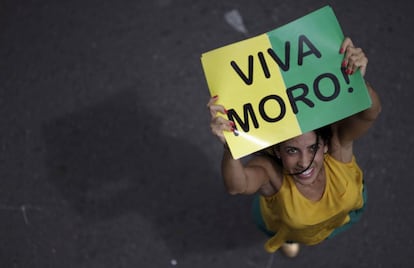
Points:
(293, 217)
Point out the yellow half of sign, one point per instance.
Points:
(255, 102)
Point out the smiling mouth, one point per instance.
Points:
(306, 173)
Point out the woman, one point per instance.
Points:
(310, 187)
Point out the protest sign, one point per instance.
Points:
(283, 83)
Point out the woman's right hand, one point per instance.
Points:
(218, 124)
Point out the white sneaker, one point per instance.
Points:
(291, 250)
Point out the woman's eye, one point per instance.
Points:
(314, 147)
(291, 150)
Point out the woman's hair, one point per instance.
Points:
(323, 133)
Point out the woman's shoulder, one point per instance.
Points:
(332, 160)
(274, 170)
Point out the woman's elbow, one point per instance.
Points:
(372, 113)
(235, 190)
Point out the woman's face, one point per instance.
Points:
(297, 155)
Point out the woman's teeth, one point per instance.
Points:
(306, 172)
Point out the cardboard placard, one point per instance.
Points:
(283, 83)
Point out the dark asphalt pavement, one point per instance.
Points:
(106, 154)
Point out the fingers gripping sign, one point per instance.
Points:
(354, 57)
(218, 123)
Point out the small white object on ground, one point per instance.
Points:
(235, 20)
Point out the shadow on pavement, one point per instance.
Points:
(112, 160)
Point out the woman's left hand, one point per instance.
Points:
(354, 57)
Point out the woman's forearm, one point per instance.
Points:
(372, 113)
(233, 173)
